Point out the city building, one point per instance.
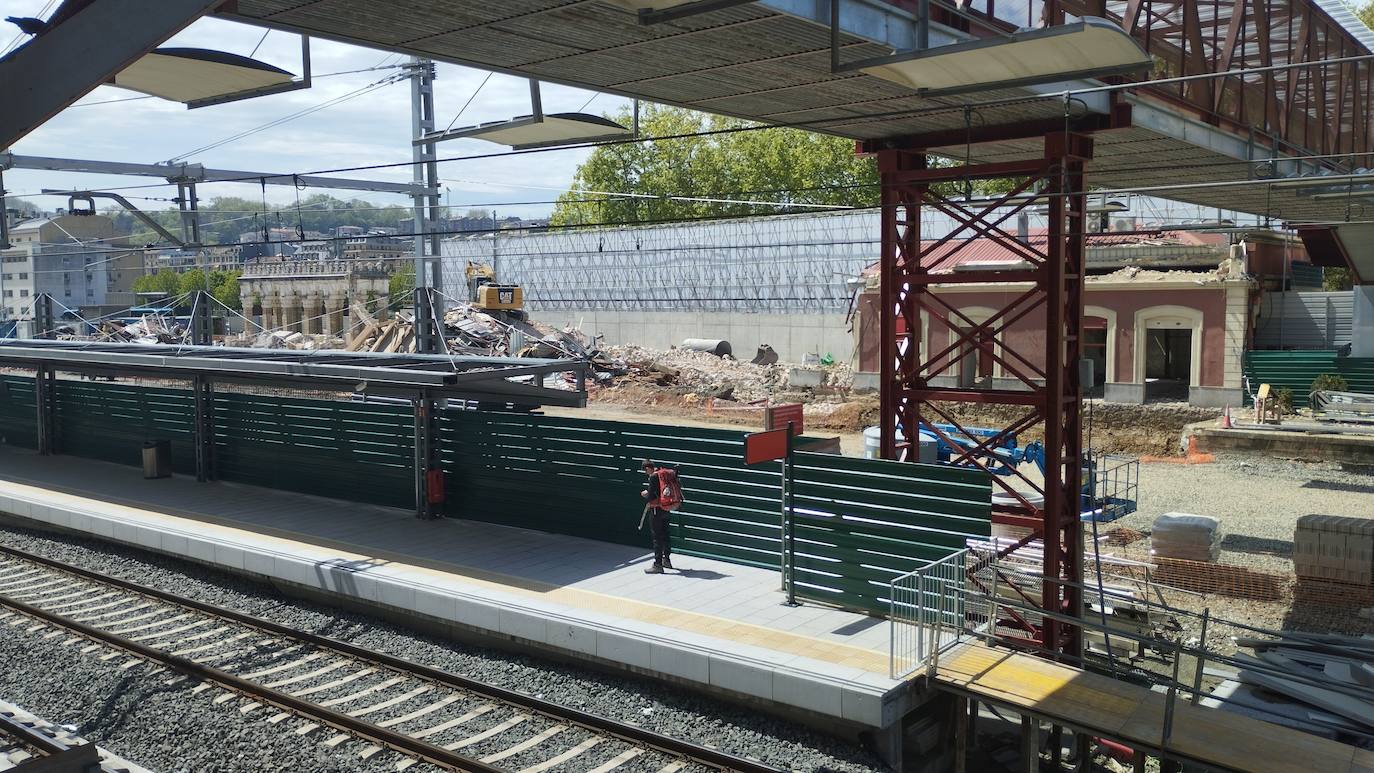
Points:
(80, 259)
(1168, 314)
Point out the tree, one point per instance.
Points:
(1336, 279)
(193, 281)
(756, 170)
(1366, 15)
(225, 288)
(164, 281)
(402, 286)
(779, 165)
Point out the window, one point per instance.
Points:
(8, 277)
(9, 293)
(23, 293)
(24, 276)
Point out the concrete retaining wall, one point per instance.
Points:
(792, 335)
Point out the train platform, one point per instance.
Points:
(710, 625)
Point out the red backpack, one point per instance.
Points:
(669, 491)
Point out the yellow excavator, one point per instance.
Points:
(497, 299)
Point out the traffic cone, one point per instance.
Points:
(1226, 417)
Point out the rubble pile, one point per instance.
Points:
(150, 329)
(706, 375)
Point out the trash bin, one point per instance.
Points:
(157, 458)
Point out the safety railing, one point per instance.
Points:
(926, 614)
(1111, 483)
(1182, 643)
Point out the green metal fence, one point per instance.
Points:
(18, 412)
(862, 522)
(859, 523)
(1296, 369)
(100, 420)
(357, 451)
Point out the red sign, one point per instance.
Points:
(765, 446)
(777, 416)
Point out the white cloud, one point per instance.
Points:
(371, 129)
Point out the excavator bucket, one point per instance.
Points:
(765, 356)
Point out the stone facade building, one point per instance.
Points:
(309, 296)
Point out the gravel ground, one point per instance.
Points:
(1258, 501)
(135, 714)
(160, 727)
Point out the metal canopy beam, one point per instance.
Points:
(81, 51)
(195, 173)
(457, 377)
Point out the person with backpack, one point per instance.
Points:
(662, 496)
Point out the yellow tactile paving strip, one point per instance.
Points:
(1133, 713)
(693, 622)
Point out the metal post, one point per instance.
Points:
(427, 500)
(204, 392)
(4, 217)
(202, 319)
(194, 212)
(44, 320)
(45, 395)
(961, 733)
(1202, 656)
(1030, 744)
(1169, 710)
(791, 530)
(425, 173)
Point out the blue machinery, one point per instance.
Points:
(1109, 482)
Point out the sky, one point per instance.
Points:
(370, 129)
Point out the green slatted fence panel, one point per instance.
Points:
(111, 422)
(862, 522)
(581, 477)
(18, 412)
(1298, 368)
(362, 452)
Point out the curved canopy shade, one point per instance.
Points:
(1089, 48)
(527, 131)
(194, 74)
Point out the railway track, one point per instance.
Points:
(336, 692)
(30, 743)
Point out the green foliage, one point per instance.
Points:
(1285, 398)
(767, 165)
(225, 287)
(1330, 382)
(402, 286)
(164, 281)
(1366, 15)
(1336, 279)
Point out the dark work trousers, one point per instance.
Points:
(658, 526)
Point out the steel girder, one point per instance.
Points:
(1047, 389)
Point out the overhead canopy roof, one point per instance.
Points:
(486, 379)
(769, 60)
(193, 74)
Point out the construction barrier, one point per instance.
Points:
(1297, 369)
(859, 522)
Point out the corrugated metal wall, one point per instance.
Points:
(1304, 320)
(859, 522)
(1296, 370)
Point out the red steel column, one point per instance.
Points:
(1048, 388)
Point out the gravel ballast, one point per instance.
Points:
(161, 727)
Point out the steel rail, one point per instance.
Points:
(390, 739)
(624, 731)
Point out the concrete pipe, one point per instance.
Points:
(708, 345)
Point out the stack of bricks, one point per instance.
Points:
(1336, 548)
